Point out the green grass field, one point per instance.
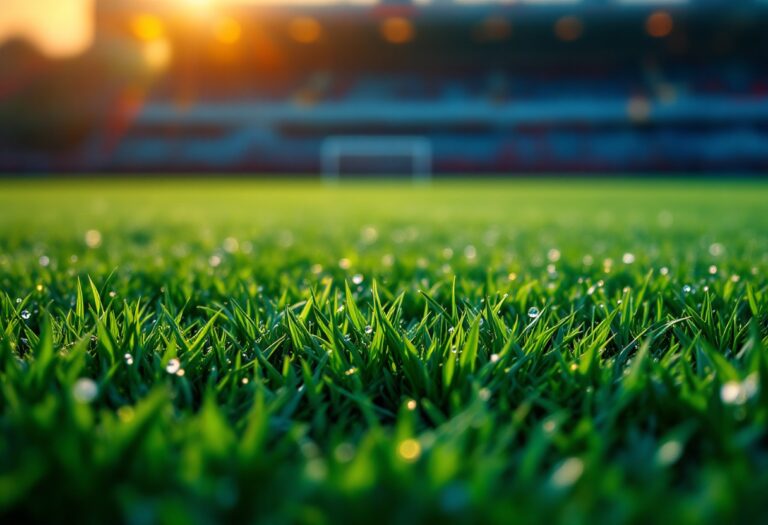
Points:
(193, 352)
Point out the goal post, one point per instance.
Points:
(335, 149)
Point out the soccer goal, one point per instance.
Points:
(361, 156)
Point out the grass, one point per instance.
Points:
(484, 352)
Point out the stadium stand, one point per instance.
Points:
(491, 87)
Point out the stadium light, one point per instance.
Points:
(305, 30)
(227, 30)
(147, 27)
(397, 30)
(494, 28)
(659, 24)
(568, 28)
(157, 54)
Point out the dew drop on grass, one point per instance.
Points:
(173, 366)
(18, 300)
(409, 450)
(494, 358)
(730, 392)
(128, 359)
(93, 238)
(25, 315)
(533, 312)
(44, 260)
(357, 278)
(669, 452)
(369, 329)
(568, 472)
(687, 289)
(85, 390)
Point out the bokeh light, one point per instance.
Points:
(659, 24)
(228, 30)
(305, 30)
(397, 30)
(569, 28)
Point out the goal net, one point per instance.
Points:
(365, 156)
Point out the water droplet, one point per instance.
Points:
(44, 260)
(451, 329)
(344, 452)
(628, 258)
(357, 278)
(411, 404)
(568, 472)
(93, 238)
(369, 234)
(214, 261)
(409, 449)
(716, 249)
(669, 452)
(369, 329)
(712, 269)
(470, 252)
(345, 264)
(732, 393)
(18, 300)
(687, 289)
(533, 312)
(231, 245)
(25, 314)
(128, 359)
(495, 358)
(173, 366)
(351, 371)
(85, 390)
(245, 380)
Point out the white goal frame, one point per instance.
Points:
(335, 148)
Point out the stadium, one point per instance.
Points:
(481, 87)
(383, 262)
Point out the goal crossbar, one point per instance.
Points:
(335, 148)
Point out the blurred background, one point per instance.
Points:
(417, 88)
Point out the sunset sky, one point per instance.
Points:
(64, 27)
(58, 27)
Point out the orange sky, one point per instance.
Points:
(64, 27)
(58, 27)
